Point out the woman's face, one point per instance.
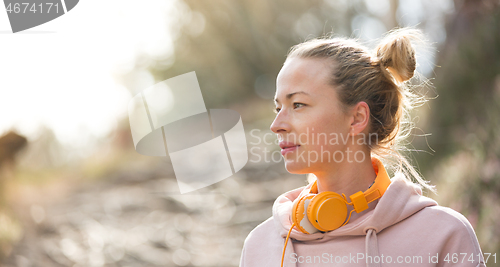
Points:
(312, 128)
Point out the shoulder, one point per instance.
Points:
(449, 220)
(456, 223)
(433, 221)
(450, 215)
(261, 245)
(446, 232)
(262, 232)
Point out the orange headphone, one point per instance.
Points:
(327, 210)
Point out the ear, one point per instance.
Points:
(360, 115)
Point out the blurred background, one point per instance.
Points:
(74, 192)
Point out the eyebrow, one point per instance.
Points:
(291, 94)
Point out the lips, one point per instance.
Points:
(287, 147)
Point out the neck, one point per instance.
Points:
(347, 177)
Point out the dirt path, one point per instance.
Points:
(137, 218)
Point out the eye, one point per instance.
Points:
(277, 110)
(297, 105)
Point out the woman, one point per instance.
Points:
(341, 112)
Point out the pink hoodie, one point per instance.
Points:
(403, 228)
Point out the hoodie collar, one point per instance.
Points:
(401, 200)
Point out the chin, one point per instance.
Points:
(297, 167)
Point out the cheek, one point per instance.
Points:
(327, 134)
(325, 125)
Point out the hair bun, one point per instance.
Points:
(395, 52)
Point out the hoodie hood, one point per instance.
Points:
(400, 200)
(402, 220)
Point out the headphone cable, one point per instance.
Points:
(286, 242)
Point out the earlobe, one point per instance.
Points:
(351, 132)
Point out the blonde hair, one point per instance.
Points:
(379, 78)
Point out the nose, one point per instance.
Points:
(281, 123)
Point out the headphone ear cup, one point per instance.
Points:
(327, 211)
(299, 215)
